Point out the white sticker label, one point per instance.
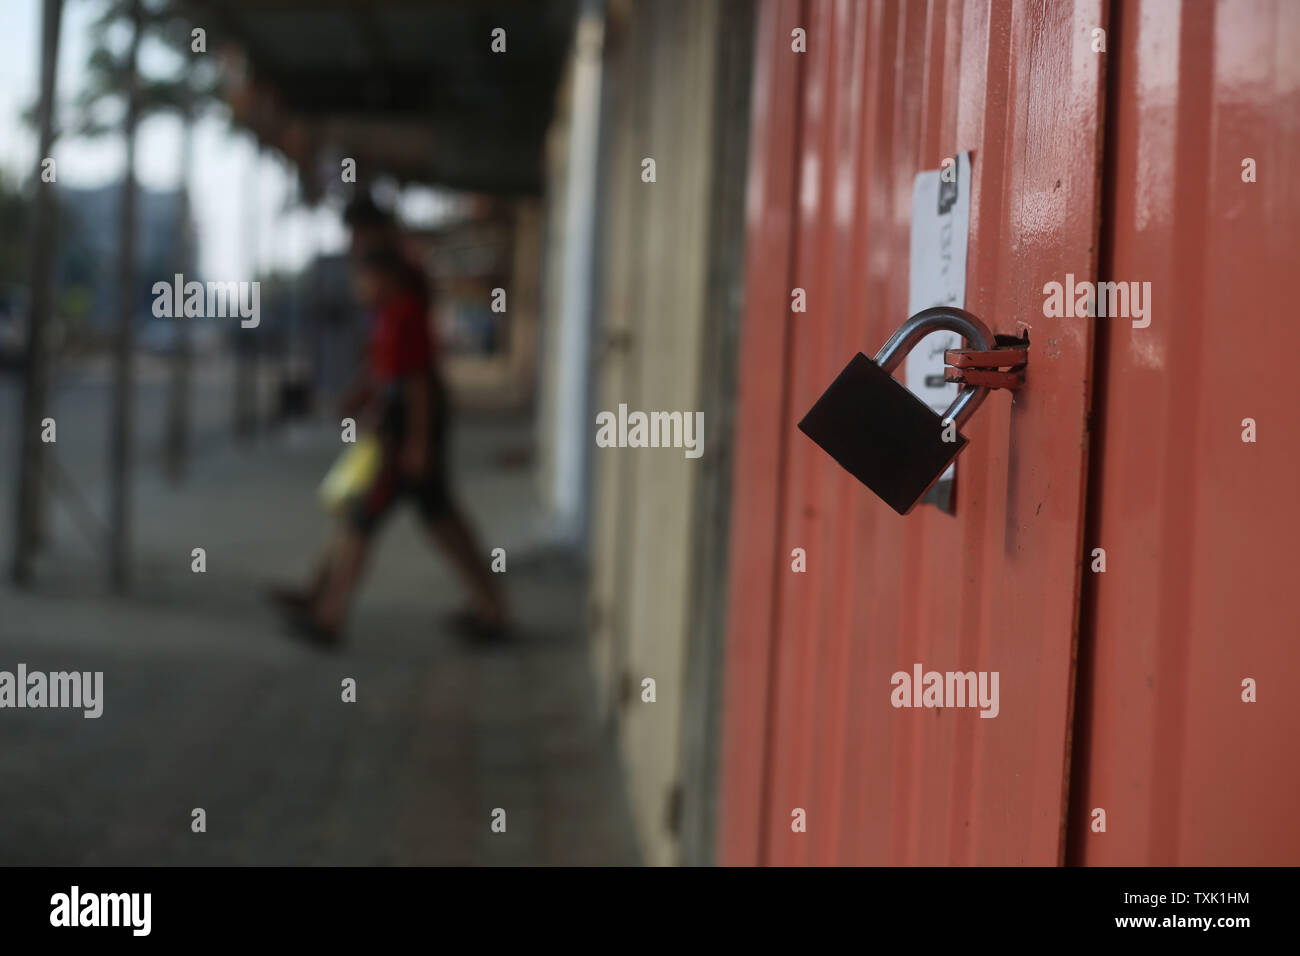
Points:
(937, 275)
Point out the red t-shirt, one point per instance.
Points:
(400, 343)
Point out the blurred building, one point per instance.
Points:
(485, 268)
(87, 257)
(618, 291)
(667, 261)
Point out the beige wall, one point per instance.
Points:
(573, 175)
(647, 353)
(552, 227)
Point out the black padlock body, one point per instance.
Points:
(881, 433)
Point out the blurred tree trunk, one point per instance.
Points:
(29, 506)
(245, 350)
(120, 443)
(176, 444)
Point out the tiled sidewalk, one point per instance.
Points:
(206, 704)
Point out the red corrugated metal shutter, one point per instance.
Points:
(1199, 527)
(884, 91)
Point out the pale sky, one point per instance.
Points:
(224, 164)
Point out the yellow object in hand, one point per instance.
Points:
(351, 474)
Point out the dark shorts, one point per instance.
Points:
(431, 493)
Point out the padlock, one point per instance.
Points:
(880, 432)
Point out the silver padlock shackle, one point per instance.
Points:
(940, 319)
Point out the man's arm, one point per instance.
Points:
(415, 444)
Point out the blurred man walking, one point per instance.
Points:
(401, 397)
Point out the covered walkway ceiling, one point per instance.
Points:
(408, 88)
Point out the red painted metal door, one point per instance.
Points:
(1199, 527)
(886, 90)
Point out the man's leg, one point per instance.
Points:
(320, 575)
(342, 572)
(451, 530)
(292, 596)
(453, 534)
